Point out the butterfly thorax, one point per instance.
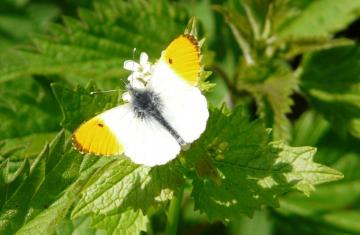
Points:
(147, 104)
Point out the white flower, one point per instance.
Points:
(140, 72)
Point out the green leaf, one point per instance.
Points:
(347, 220)
(241, 29)
(29, 117)
(320, 18)
(300, 46)
(271, 84)
(260, 224)
(121, 184)
(303, 129)
(80, 104)
(10, 183)
(32, 96)
(331, 81)
(18, 20)
(127, 223)
(46, 221)
(16, 205)
(97, 45)
(79, 226)
(355, 127)
(257, 13)
(324, 208)
(33, 199)
(251, 171)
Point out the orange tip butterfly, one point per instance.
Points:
(164, 110)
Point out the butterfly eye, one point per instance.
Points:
(170, 61)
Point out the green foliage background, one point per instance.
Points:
(285, 85)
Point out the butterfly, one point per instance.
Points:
(163, 111)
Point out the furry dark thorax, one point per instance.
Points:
(147, 104)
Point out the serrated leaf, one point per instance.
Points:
(97, 45)
(305, 172)
(29, 117)
(32, 96)
(15, 208)
(325, 209)
(272, 88)
(46, 221)
(252, 171)
(331, 81)
(127, 223)
(324, 205)
(80, 104)
(316, 18)
(34, 201)
(122, 184)
(10, 183)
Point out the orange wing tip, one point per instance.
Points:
(183, 57)
(95, 137)
(194, 41)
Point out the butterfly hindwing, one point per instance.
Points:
(143, 140)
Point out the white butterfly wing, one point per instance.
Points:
(184, 107)
(145, 141)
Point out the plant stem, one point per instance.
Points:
(174, 212)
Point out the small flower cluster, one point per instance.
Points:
(141, 73)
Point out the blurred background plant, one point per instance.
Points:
(293, 63)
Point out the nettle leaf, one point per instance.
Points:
(271, 84)
(80, 104)
(121, 185)
(127, 223)
(324, 206)
(257, 13)
(316, 18)
(239, 169)
(29, 117)
(241, 29)
(331, 81)
(47, 220)
(18, 20)
(97, 45)
(33, 199)
(80, 226)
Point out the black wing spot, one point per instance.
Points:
(170, 61)
(100, 125)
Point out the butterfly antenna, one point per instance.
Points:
(102, 92)
(133, 59)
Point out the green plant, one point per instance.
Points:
(242, 163)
